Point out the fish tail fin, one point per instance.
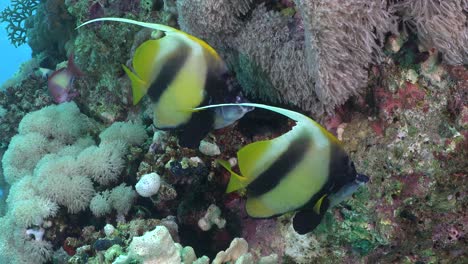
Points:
(138, 86)
(236, 181)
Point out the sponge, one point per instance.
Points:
(148, 185)
(155, 246)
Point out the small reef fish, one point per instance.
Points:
(60, 82)
(179, 72)
(304, 170)
(44, 73)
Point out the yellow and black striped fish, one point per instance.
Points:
(304, 170)
(180, 72)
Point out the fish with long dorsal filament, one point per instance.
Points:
(304, 170)
(178, 72)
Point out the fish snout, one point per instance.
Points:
(361, 178)
(239, 100)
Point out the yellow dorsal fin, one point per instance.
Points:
(143, 59)
(318, 204)
(139, 87)
(205, 45)
(330, 136)
(236, 182)
(249, 155)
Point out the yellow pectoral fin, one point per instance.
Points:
(318, 204)
(257, 209)
(139, 87)
(236, 181)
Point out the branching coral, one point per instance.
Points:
(15, 15)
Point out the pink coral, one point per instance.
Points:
(406, 97)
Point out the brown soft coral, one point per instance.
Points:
(439, 24)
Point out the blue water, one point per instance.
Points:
(10, 57)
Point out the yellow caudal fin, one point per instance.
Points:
(236, 182)
(318, 204)
(139, 87)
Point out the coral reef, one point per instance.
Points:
(316, 54)
(70, 173)
(442, 25)
(330, 28)
(51, 31)
(49, 164)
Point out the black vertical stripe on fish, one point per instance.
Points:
(200, 124)
(339, 174)
(341, 170)
(216, 85)
(280, 168)
(169, 72)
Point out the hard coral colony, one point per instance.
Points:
(192, 172)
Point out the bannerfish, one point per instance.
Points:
(60, 82)
(179, 72)
(305, 170)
